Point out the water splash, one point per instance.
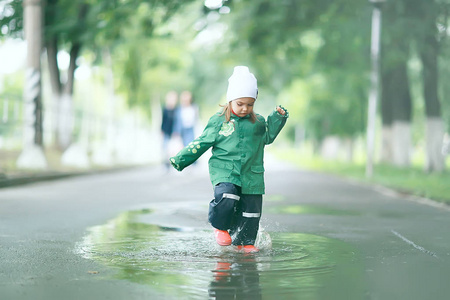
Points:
(186, 262)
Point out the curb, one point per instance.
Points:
(21, 180)
(16, 180)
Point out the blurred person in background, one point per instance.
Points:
(186, 118)
(168, 123)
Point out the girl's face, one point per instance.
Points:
(243, 106)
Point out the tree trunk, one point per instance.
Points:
(55, 84)
(74, 52)
(396, 97)
(401, 115)
(63, 94)
(386, 117)
(65, 108)
(435, 161)
(65, 121)
(32, 155)
(52, 53)
(51, 46)
(349, 147)
(396, 115)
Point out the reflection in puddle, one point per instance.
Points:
(179, 262)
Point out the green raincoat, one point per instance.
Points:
(237, 149)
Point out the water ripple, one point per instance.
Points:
(185, 262)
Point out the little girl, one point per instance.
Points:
(237, 136)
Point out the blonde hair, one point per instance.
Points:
(227, 111)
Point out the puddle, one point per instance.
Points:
(309, 209)
(186, 263)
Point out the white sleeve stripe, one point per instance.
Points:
(231, 196)
(251, 215)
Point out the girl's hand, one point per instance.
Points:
(281, 111)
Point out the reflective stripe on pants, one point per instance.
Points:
(236, 212)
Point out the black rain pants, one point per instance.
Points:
(236, 212)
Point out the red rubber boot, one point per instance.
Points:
(223, 238)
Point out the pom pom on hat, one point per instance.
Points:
(242, 84)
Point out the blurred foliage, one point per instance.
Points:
(444, 64)
(11, 21)
(146, 67)
(10, 102)
(311, 56)
(93, 25)
(13, 84)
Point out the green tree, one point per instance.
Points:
(433, 15)
(147, 66)
(413, 26)
(294, 42)
(80, 25)
(274, 32)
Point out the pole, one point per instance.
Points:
(374, 88)
(32, 156)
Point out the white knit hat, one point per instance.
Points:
(242, 84)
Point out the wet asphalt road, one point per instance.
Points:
(143, 234)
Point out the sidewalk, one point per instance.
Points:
(142, 148)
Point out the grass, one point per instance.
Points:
(413, 180)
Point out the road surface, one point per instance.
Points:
(143, 234)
